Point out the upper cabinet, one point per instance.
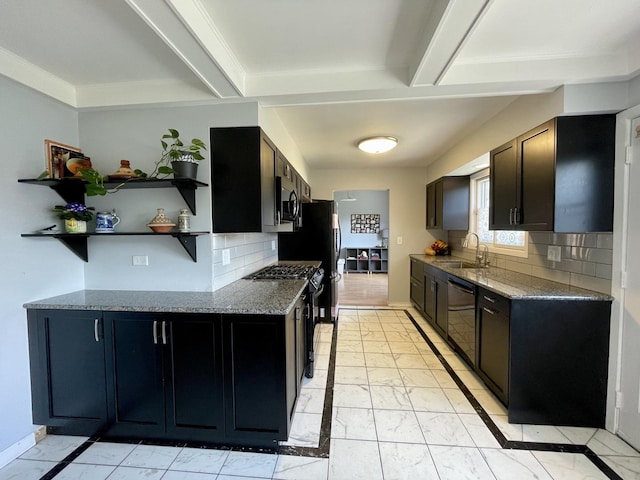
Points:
(244, 167)
(556, 177)
(448, 204)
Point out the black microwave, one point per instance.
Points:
(287, 202)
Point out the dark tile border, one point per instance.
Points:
(497, 433)
(323, 449)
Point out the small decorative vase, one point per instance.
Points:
(75, 226)
(184, 169)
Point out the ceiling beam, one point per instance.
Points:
(450, 24)
(176, 24)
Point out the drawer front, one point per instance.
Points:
(493, 301)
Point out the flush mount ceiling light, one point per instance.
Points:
(377, 144)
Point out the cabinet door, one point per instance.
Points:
(504, 187)
(193, 383)
(268, 163)
(493, 348)
(135, 365)
(259, 373)
(441, 306)
(430, 297)
(439, 193)
(431, 205)
(67, 370)
(417, 293)
(537, 177)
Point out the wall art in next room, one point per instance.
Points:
(365, 222)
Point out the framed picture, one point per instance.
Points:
(64, 161)
(365, 222)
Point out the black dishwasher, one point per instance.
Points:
(461, 313)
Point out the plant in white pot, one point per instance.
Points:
(183, 158)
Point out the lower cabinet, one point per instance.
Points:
(492, 323)
(165, 375)
(435, 298)
(227, 379)
(68, 378)
(545, 359)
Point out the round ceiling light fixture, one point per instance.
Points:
(377, 144)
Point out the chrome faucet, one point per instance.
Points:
(480, 259)
(465, 244)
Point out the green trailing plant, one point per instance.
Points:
(174, 149)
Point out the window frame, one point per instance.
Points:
(514, 251)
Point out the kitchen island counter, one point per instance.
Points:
(513, 285)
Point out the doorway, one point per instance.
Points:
(628, 388)
(363, 216)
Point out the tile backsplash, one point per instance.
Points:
(248, 252)
(586, 258)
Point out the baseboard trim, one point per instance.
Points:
(14, 451)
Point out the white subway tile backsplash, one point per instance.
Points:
(249, 252)
(586, 258)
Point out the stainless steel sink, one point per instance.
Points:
(455, 264)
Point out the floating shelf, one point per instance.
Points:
(73, 190)
(77, 242)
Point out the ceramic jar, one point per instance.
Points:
(106, 222)
(71, 225)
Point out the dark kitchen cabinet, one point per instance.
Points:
(244, 164)
(492, 321)
(260, 376)
(417, 284)
(448, 204)
(435, 299)
(556, 177)
(166, 376)
(68, 379)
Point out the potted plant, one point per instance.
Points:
(75, 215)
(183, 158)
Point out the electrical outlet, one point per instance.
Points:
(399, 240)
(140, 260)
(226, 256)
(273, 244)
(554, 253)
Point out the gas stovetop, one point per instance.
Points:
(283, 272)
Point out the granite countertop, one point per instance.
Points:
(514, 285)
(261, 297)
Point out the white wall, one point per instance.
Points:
(406, 213)
(275, 130)
(108, 136)
(32, 268)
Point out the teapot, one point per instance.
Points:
(106, 222)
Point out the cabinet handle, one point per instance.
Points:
(164, 332)
(489, 299)
(488, 310)
(155, 332)
(516, 219)
(433, 285)
(95, 330)
(511, 216)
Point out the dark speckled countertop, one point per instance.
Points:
(514, 285)
(262, 297)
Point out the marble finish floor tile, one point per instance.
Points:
(20, 469)
(53, 448)
(247, 464)
(353, 424)
(105, 453)
(151, 456)
(460, 463)
(397, 414)
(354, 460)
(199, 460)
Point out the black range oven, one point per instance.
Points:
(314, 289)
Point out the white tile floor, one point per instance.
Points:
(397, 414)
